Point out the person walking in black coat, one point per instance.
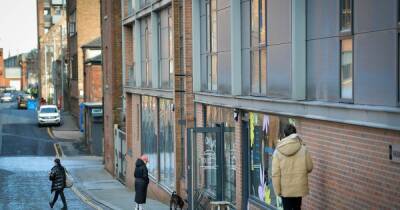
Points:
(58, 177)
(141, 181)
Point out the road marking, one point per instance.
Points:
(50, 132)
(55, 148)
(85, 199)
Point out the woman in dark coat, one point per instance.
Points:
(58, 177)
(141, 181)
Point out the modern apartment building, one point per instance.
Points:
(112, 83)
(210, 84)
(51, 22)
(83, 20)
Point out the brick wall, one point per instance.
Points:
(93, 83)
(129, 52)
(3, 81)
(88, 29)
(351, 166)
(133, 136)
(112, 74)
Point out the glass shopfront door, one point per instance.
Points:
(210, 162)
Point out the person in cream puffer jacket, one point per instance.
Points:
(291, 164)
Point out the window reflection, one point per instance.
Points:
(258, 47)
(264, 134)
(167, 160)
(346, 68)
(149, 132)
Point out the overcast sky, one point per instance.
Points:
(17, 26)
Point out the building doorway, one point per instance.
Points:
(210, 164)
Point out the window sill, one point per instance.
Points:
(163, 93)
(363, 115)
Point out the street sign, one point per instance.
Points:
(394, 153)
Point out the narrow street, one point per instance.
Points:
(26, 156)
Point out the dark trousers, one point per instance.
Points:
(291, 203)
(61, 193)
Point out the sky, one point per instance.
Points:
(18, 32)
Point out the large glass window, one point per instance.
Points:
(72, 23)
(167, 160)
(217, 115)
(264, 134)
(149, 132)
(166, 63)
(146, 52)
(346, 69)
(346, 15)
(212, 58)
(258, 47)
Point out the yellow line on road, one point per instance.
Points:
(55, 148)
(50, 132)
(85, 199)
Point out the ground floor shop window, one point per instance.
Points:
(158, 139)
(149, 132)
(264, 134)
(167, 160)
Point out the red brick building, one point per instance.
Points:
(93, 80)
(112, 78)
(83, 20)
(3, 81)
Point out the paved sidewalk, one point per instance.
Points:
(69, 129)
(94, 182)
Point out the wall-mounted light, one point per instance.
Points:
(236, 113)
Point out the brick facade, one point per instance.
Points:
(112, 75)
(352, 169)
(3, 81)
(93, 82)
(87, 29)
(351, 165)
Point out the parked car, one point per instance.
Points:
(49, 115)
(7, 97)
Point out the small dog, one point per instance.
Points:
(176, 201)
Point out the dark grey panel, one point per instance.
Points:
(202, 7)
(246, 72)
(223, 30)
(279, 70)
(203, 71)
(224, 72)
(323, 69)
(322, 18)
(279, 14)
(373, 15)
(203, 35)
(375, 68)
(245, 24)
(221, 4)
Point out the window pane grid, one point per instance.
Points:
(346, 69)
(258, 48)
(346, 17)
(212, 56)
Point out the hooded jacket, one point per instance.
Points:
(291, 164)
(57, 178)
(141, 181)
